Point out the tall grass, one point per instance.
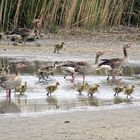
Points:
(68, 13)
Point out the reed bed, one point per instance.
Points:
(91, 14)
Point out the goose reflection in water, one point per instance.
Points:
(7, 106)
(52, 102)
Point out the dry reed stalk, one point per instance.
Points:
(17, 13)
(70, 14)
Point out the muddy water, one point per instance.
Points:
(66, 98)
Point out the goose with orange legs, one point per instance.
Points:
(115, 63)
(86, 68)
(69, 69)
(11, 81)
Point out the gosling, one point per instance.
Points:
(43, 75)
(58, 47)
(93, 89)
(129, 90)
(21, 88)
(81, 88)
(118, 90)
(52, 88)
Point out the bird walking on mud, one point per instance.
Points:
(58, 47)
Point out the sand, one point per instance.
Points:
(110, 124)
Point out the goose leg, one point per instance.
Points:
(83, 78)
(73, 78)
(48, 94)
(65, 76)
(115, 94)
(6, 93)
(108, 77)
(131, 96)
(9, 93)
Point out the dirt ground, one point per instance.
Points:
(77, 47)
(118, 124)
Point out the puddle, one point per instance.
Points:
(66, 98)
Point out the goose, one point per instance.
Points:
(93, 89)
(115, 63)
(21, 88)
(58, 47)
(128, 90)
(23, 32)
(80, 87)
(118, 89)
(69, 69)
(10, 81)
(14, 37)
(85, 68)
(51, 88)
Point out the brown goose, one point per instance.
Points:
(23, 32)
(85, 68)
(115, 63)
(11, 81)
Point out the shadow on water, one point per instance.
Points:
(66, 98)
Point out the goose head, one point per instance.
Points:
(20, 66)
(128, 45)
(63, 43)
(57, 83)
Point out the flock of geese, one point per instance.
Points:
(113, 67)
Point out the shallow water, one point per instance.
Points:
(66, 98)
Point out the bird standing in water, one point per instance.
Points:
(52, 88)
